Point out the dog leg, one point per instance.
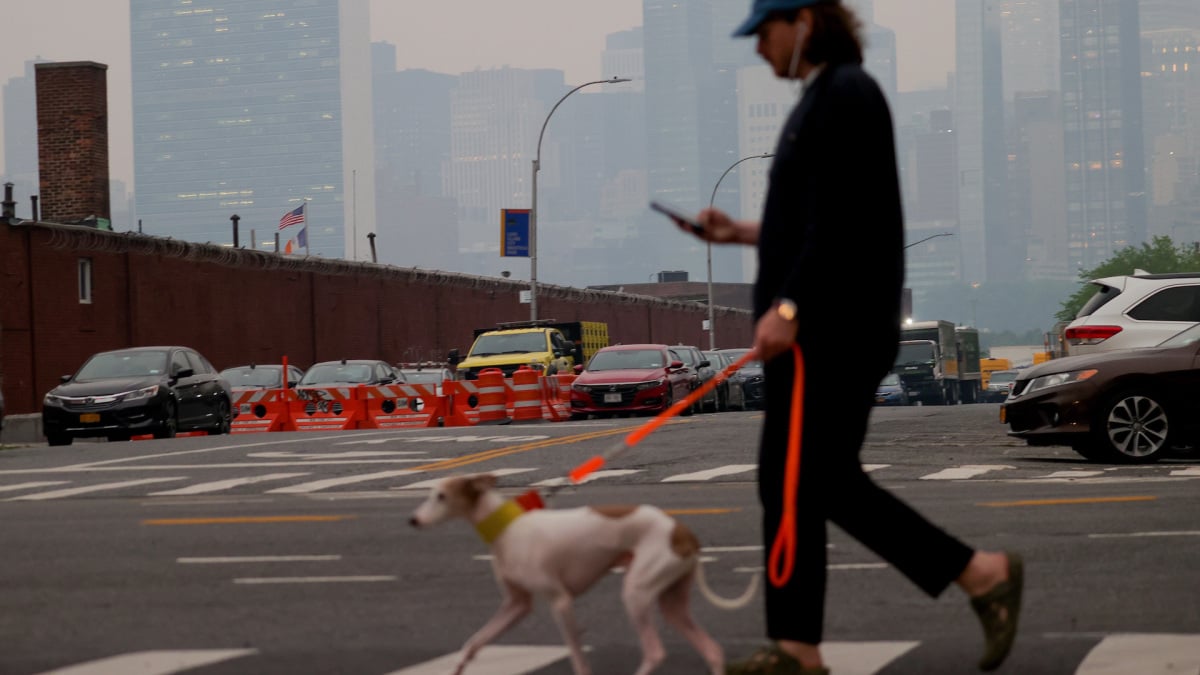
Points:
(564, 614)
(675, 609)
(639, 599)
(516, 605)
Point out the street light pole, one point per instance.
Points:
(537, 165)
(712, 336)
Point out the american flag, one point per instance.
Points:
(292, 217)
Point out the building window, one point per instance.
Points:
(85, 281)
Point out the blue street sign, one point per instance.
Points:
(514, 233)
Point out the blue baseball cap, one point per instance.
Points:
(762, 8)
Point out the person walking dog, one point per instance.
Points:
(834, 203)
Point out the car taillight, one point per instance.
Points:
(1090, 335)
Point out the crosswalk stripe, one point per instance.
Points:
(31, 485)
(71, 492)
(492, 660)
(1194, 471)
(1073, 474)
(862, 658)
(868, 468)
(426, 484)
(710, 473)
(965, 471)
(1152, 654)
(313, 486)
(218, 485)
(162, 662)
(609, 473)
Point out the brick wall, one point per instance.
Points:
(72, 120)
(240, 306)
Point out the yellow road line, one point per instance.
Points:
(1081, 500)
(246, 519)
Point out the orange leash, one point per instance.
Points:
(783, 551)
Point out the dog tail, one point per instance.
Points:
(726, 603)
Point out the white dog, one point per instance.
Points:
(559, 554)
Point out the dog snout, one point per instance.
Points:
(414, 522)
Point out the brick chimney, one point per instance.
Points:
(72, 121)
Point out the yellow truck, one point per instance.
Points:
(548, 346)
(988, 366)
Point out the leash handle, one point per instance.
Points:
(783, 551)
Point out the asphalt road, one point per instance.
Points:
(291, 553)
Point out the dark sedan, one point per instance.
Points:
(639, 378)
(143, 390)
(750, 378)
(268, 376)
(1127, 405)
(729, 397)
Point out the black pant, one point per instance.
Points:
(833, 487)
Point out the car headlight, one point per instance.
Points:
(1059, 379)
(51, 399)
(581, 388)
(651, 385)
(148, 392)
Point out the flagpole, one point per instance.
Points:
(307, 236)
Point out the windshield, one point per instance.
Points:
(915, 353)
(423, 376)
(512, 343)
(252, 377)
(331, 373)
(123, 364)
(735, 354)
(622, 359)
(890, 379)
(1004, 376)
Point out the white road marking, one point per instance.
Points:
(353, 454)
(1132, 535)
(315, 485)
(868, 468)
(1072, 474)
(219, 485)
(257, 559)
(591, 477)
(426, 484)
(153, 662)
(965, 471)
(492, 660)
(862, 658)
(726, 470)
(71, 492)
(1194, 471)
(1145, 654)
(31, 485)
(315, 580)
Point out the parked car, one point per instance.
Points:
(999, 384)
(1137, 310)
(267, 376)
(695, 360)
(350, 372)
(636, 378)
(121, 393)
(729, 397)
(434, 374)
(1129, 405)
(891, 391)
(1, 410)
(749, 378)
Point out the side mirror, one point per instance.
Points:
(704, 364)
(291, 384)
(578, 368)
(676, 364)
(182, 373)
(453, 357)
(64, 378)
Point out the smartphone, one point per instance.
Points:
(675, 213)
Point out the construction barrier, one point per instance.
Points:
(400, 406)
(261, 410)
(326, 409)
(556, 397)
(493, 397)
(526, 395)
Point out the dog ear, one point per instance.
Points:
(482, 482)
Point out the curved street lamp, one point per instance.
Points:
(537, 165)
(712, 337)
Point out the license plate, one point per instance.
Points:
(89, 418)
(612, 398)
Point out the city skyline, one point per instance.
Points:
(489, 36)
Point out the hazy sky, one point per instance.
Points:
(448, 37)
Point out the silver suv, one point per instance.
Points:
(1138, 310)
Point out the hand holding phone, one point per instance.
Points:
(678, 215)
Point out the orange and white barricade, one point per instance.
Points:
(399, 406)
(526, 395)
(260, 410)
(493, 397)
(462, 403)
(556, 396)
(326, 409)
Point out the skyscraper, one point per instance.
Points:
(20, 132)
(252, 109)
(1102, 123)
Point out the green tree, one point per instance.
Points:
(1159, 256)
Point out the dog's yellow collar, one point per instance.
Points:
(491, 527)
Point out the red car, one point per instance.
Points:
(624, 379)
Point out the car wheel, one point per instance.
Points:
(224, 419)
(118, 437)
(1133, 427)
(169, 424)
(575, 417)
(1091, 451)
(686, 412)
(57, 439)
